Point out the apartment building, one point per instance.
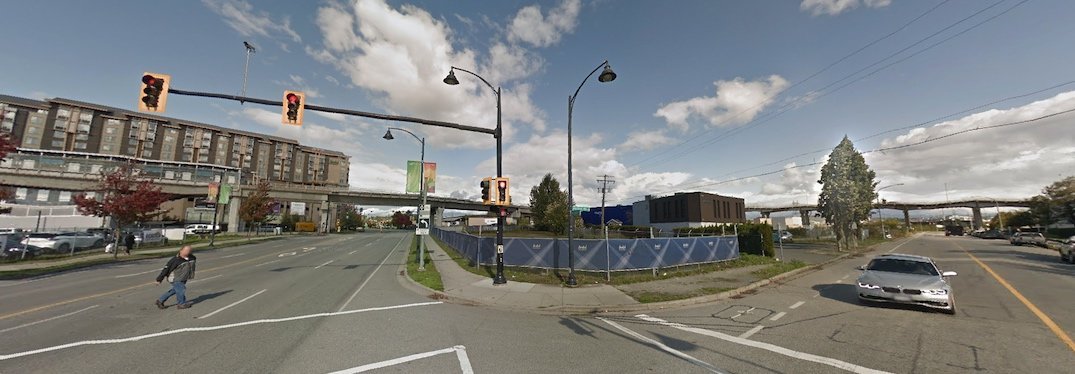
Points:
(71, 126)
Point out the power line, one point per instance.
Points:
(811, 98)
(902, 146)
(811, 76)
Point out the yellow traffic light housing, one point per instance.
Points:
(154, 94)
(294, 104)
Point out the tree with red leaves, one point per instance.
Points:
(257, 207)
(401, 220)
(124, 198)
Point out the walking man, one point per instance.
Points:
(178, 271)
(128, 241)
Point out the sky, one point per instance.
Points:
(741, 98)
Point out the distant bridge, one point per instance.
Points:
(975, 205)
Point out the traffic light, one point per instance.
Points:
(154, 94)
(294, 104)
(486, 185)
(503, 196)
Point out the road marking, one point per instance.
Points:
(135, 274)
(285, 254)
(322, 265)
(234, 255)
(796, 305)
(308, 249)
(266, 263)
(663, 347)
(778, 316)
(766, 346)
(751, 331)
(47, 319)
(232, 304)
(368, 244)
(900, 245)
(744, 311)
(845, 276)
(460, 352)
(1059, 332)
(353, 252)
(363, 285)
(207, 328)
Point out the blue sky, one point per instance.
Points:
(686, 73)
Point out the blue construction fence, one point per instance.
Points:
(623, 254)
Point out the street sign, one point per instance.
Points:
(423, 212)
(423, 227)
(579, 209)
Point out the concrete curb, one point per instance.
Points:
(648, 307)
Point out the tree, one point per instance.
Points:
(350, 218)
(257, 207)
(1061, 195)
(847, 192)
(1014, 219)
(548, 205)
(401, 220)
(124, 198)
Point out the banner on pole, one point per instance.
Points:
(214, 188)
(225, 194)
(414, 174)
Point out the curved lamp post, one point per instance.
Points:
(421, 189)
(879, 216)
(606, 76)
(451, 80)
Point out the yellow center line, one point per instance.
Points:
(102, 294)
(1033, 308)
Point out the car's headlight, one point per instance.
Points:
(938, 292)
(868, 286)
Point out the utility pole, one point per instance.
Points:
(606, 181)
(246, 68)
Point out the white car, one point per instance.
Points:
(64, 242)
(200, 229)
(1067, 250)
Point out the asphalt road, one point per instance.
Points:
(337, 303)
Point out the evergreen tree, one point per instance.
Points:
(548, 205)
(847, 192)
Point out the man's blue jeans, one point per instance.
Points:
(179, 289)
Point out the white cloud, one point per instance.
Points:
(534, 28)
(346, 139)
(736, 102)
(835, 7)
(646, 140)
(297, 83)
(402, 54)
(242, 17)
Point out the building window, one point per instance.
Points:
(20, 193)
(80, 145)
(42, 195)
(65, 196)
(57, 143)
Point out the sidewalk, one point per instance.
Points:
(467, 286)
(102, 257)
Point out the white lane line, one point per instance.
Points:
(845, 276)
(231, 305)
(900, 245)
(778, 316)
(323, 265)
(48, 319)
(769, 347)
(266, 263)
(363, 285)
(460, 351)
(205, 279)
(796, 305)
(135, 274)
(285, 254)
(371, 243)
(663, 347)
(352, 252)
(234, 255)
(751, 331)
(206, 328)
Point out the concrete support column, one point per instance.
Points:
(437, 219)
(805, 214)
(233, 214)
(907, 218)
(765, 214)
(976, 213)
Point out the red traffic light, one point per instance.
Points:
(292, 98)
(502, 184)
(149, 79)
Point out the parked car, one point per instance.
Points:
(10, 230)
(782, 236)
(103, 232)
(906, 279)
(63, 241)
(953, 230)
(1034, 238)
(200, 229)
(148, 236)
(15, 252)
(992, 234)
(1067, 250)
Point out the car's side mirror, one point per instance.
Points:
(861, 267)
(948, 274)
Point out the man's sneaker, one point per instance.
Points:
(183, 306)
(160, 305)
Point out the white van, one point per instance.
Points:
(200, 229)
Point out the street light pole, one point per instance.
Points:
(879, 214)
(606, 76)
(499, 135)
(421, 190)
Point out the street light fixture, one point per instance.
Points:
(607, 75)
(879, 216)
(421, 189)
(452, 81)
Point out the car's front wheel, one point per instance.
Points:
(64, 248)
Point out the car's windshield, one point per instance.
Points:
(895, 265)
